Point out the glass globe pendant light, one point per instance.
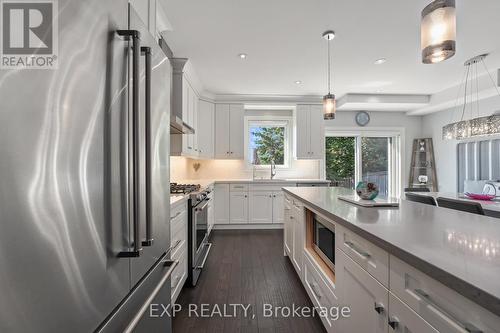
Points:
(438, 31)
(329, 102)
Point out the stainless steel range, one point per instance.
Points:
(198, 233)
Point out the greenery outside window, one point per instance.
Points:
(266, 140)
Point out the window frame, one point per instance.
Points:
(396, 153)
(281, 121)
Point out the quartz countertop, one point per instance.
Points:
(429, 238)
(207, 182)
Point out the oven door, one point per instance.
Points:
(200, 228)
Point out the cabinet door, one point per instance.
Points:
(261, 207)
(194, 117)
(236, 131)
(278, 207)
(238, 207)
(302, 135)
(206, 129)
(221, 203)
(222, 131)
(298, 235)
(316, 132)
(402, 319)
(366, 297)
(288, 227)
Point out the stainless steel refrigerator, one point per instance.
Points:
(84, 174)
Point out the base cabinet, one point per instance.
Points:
(366, 297)
(221, 203)
(261, 207)
(402, 319)
(238, 207)
(298, 222)
(288, 226)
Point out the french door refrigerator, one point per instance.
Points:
(84, 174)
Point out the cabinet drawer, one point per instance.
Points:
(320, 290)
(179, 275)
(238, 187)
(178, 227)
(372, 258)
(443, 308)
(402, 319)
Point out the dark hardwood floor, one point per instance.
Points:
(246, 267)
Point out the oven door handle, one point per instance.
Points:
(196, 209)
(206, 256)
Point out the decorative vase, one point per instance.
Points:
(367, 191)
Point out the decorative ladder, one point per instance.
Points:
(423, 166)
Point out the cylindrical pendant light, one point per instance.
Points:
(329, 103)
(438, 31)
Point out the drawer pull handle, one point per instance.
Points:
(379, 307)
(173, 217)
(314, 290)
(172, 248)
(394, 322)
(358, 251)
(465, 325)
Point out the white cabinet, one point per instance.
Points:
(261, 207)
(278, 207)
(238, 207)
(211, 213)
(299, 226)
(178, 241)
(402, 319)
(205, 129)
(221, 203)
(229, 126)
(366, 297)
(288, 226)
(309, 132)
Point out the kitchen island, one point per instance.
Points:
(438, 263)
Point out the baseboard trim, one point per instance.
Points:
(247, 226)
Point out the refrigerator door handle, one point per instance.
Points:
(135, 36)
(146, 52)
(137, 317)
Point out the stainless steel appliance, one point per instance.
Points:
(324, 240)
(84, 233)
(198, 233)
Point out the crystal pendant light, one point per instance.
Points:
(329, 102)
(475, 126)
(438, 31)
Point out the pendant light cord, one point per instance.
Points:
(465, 92)
(491, 77)
(329, 71)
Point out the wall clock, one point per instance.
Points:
(362, 118)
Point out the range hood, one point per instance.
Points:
(177, 126)
(177, 123)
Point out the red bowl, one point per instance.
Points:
(475, 196)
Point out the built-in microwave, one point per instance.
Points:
(323, 240)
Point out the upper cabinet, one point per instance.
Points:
(205, 129)
(309, 132)
(229, 131)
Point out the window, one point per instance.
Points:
(267, 139)
(371, 158)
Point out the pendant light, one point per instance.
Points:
(438, 31)
(474, 126)
(329, 103)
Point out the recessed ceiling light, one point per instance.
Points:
(380, 61)
(298, 82)
(242, 55)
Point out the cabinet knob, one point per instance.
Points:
(393, 322)
(379, 307)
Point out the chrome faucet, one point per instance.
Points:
(273, 169)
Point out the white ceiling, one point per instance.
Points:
(283, 41)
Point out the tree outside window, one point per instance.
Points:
(267, 144)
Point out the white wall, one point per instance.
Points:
(412, 128)
(445, 151)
